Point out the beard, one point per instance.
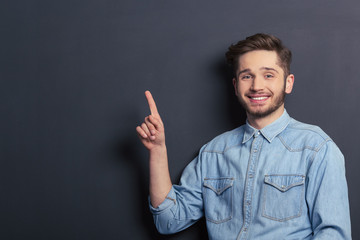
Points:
(261, 113)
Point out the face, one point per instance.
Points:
(260, 84)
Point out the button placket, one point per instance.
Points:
(250, 179)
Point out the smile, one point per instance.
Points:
(259, 98)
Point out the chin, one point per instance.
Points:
(261, 112)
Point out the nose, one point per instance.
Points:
(257, 84)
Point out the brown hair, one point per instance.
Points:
(260, 41)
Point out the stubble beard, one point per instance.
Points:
(261, 113)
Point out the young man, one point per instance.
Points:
(272, 178)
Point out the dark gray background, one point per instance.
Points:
(73, 76)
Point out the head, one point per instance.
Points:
(261, 76)
(260, 41)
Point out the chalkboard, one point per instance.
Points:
(73, 76)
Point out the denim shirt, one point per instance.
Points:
(285, 181)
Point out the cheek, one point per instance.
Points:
(277, 86)
(243, 87)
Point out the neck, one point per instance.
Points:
(261, 122)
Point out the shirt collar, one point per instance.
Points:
(270, 131)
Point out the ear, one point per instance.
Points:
(289, 83)
(235, 85)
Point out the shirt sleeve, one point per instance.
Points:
(327, 194)
(183, 205)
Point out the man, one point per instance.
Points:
(272, 178)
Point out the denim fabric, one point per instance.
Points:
(285, 181)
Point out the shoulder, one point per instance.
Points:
(225, 141)
(300, 135)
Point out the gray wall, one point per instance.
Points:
(73, 76)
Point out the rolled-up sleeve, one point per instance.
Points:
(183, 205)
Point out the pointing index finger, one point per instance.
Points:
(151, 102)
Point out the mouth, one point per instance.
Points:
(258, 98)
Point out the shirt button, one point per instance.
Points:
(282, 186)
(245, 229)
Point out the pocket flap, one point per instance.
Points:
(284, 182)
(218, 185)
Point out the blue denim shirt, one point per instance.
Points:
(285, 181)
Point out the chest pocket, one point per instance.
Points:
(283, 196)
(218, 197)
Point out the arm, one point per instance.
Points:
(183, 205)
(327, 195)
(177, 207)
(152, 135)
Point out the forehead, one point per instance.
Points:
(258, 59)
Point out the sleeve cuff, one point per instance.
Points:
(169, 201)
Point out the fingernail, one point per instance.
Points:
(153, 132)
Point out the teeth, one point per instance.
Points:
(259, 98)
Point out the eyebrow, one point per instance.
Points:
(245, 70)
(269, 69)
(266, 68)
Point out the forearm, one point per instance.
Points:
(160, 182)
(182, 204)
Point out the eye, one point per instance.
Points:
(269, 76)
(245, 77)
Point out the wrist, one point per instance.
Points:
(158, 155)
(159, 149)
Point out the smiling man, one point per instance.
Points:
(261, 85)
(272, 178)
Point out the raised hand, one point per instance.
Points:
(151, 132)
(152, 135)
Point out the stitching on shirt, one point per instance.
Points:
(222, 152)
(295, 149)
(320, 146)
(219, 192)
(278, 132)
(316, 148)
(282, 219)
(299, 211)
(311, 130)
